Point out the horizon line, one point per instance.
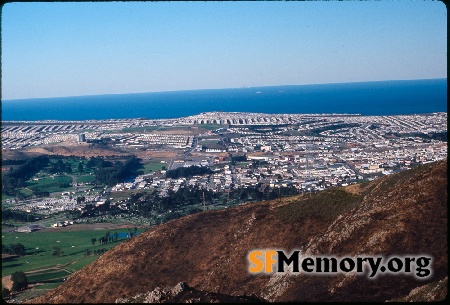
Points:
(212, 89)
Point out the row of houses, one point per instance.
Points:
(62, 223)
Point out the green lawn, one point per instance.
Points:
(45, 276)
(50, 184)
(153, 167)
(85, 179)
(48, 286)
(73, 244)
(25, 191)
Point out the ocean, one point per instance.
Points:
(365, 98)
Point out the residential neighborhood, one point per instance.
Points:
(300, 151)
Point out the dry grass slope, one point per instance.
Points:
(400, 214)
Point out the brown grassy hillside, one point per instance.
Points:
(400, 214)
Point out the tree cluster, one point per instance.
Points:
(95, 252)
(38, 193)
(57, 251)
(98, 162)
(13, 162)
(190, 171)
(91, 210)
(17, 177)
(19, 216)
(108, 237)
(110, 174)
(80, 167)
(5, 292)
(20, 281)
(14, 249)
(59, 167)
(235, 159)
(258, 163)
(81, 199)
(185, 198)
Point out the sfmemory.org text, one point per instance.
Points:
(264, 261)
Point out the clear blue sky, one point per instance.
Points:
(69, 49)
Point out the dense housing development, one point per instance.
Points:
(305, 152)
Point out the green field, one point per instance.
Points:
(25, 191)
(85, 179)
(46, 276)
(39, 248)
(153, 167)
(48, 286)
(50, 184)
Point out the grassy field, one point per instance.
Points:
(48, 286)
(25, 192)
(39, 248)
(53, 274)
(85, 179)
(50, 184)
(45, 272)
(153, 167)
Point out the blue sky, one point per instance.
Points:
(70, 49)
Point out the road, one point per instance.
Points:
(194, 145)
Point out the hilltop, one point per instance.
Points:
(400, 214)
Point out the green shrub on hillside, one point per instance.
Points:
(327, 204)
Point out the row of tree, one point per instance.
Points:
(14, 249)
(95, 252)
(13, 162)
(113, 237)
(19, 216)
(190, 171)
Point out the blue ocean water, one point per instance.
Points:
(366, 98)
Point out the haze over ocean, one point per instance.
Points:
(366, 98)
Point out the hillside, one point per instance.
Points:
(401, 214)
